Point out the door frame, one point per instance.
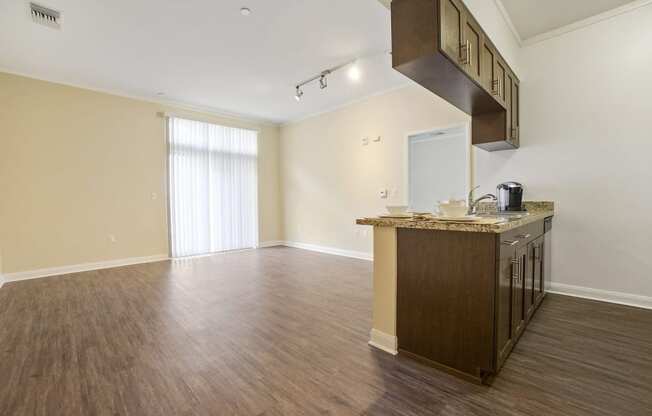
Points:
(466, 129)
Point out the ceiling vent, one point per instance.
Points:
(44, 16)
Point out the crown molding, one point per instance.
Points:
(610, 14)
(386, 3)
(508, 20)
(168, 103)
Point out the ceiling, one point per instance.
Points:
(535, 17)
(205, 53)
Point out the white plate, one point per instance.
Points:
(466, 218)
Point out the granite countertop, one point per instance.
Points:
(538, 210)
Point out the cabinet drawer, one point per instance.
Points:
(522, 235)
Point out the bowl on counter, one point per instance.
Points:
(397, 209)
(453, 208)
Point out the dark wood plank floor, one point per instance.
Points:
(284, 332)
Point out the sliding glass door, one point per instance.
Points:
(213, 187)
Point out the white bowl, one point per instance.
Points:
(397, 209)
(454, 209)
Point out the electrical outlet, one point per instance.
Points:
(377, 138)
(365, 141)
(383, 194)
(112, 238)
(154, 196)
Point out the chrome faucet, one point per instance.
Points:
(473, 204)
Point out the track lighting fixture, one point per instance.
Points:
(323, 82)
(298, 94)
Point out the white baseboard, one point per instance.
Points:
(602, 295)
(330, 250)
(383, 341)
(84, 267)
(273, 243)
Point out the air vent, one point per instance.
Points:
(44, 16)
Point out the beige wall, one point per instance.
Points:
(329, 179)
(77, 166)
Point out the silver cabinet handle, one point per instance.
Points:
(465, 53)
(516, 269)
(469, 51)
(510, 242)
(524, 236)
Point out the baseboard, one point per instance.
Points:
(273, 243)
(84, 267)
(383, 341)
(330, 250)
(620, 298)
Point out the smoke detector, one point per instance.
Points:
(45, 16)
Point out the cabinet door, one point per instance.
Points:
(529, 285)
(509, 78)
(504, 302)
(515, 116)
(487, 73)
(451, 14)
(537, 278)
(472, 39)
(518, 273)
(500, 72)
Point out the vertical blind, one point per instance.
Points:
(213, 187)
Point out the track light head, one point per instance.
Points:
(298, 94)
(323, 82)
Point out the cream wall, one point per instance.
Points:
(77, 166)
(329, 178)
(587, 141)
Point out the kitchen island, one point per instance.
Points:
(458, 295)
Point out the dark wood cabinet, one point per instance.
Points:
(440, 45)
(451, 12)
(534, 284)
(464, 298)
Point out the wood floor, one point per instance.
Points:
(281, 331)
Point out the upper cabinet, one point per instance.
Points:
(440, 45)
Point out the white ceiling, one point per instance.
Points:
(205, 53)
(535, 17)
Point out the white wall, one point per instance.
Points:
(587, 141)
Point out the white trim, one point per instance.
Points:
(331, 250)
(508, 20)
(272, 243)
(466, 126)
(84, 267)
(602, 295)
(2, 281)
(216, 112)
(386, 3)
(383, 341)
(610, 14)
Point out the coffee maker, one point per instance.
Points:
(510, 197)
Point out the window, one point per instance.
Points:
(213, 187)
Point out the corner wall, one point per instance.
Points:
(329, 178)
(78, 166)
(586, 139)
